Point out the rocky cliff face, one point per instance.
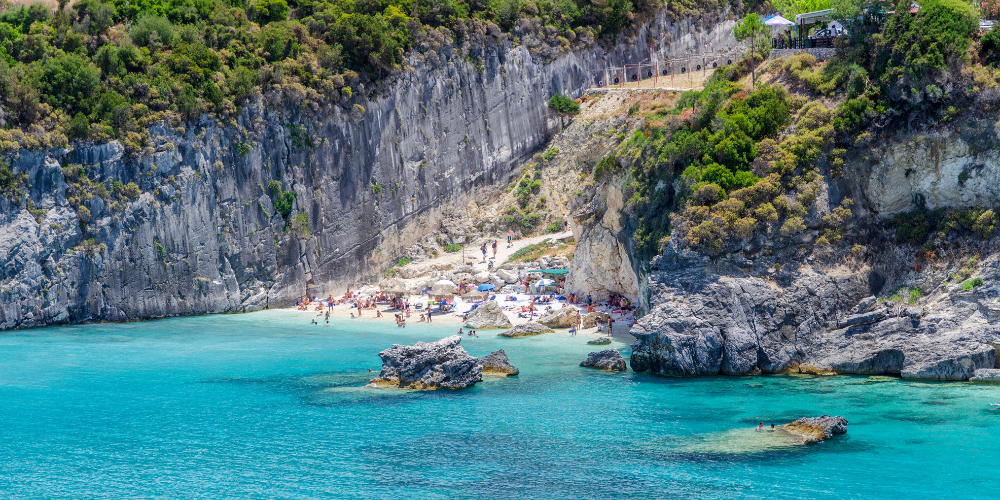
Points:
(952, 167)
(729, 316)
(201, 233)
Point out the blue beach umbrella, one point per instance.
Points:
(485, 287)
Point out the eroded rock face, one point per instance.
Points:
(488, 315)
(946, 168)
(496, 363)
(816, 429)
(704, 323)
(609, 359)
(601, 265)
(435, 365)
(526, 330)
(563, 317)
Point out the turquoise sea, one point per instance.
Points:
(265, 405)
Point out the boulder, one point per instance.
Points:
(986, 375)
(600, 341)
(610, 359)
(482, 277)
(509, 276)
(564, 317)
(488, 315)
(497, 282)
(816, 429)
(593, 319)
(525, 330)
(496, 363)
(428, 365)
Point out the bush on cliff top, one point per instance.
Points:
(101, 70)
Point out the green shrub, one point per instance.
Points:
(454, 247)
(403, 261)
(563, 105)
(970, 284)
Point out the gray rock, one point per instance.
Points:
(433, 365)
(488, 315)
(863, 319)
(526, 330)
(704, 323)
(816, 429)
(986, 375)
(609, 359)
(867, 304)
(562, 317)
(496, 363)
(509, 276)
(600, 341)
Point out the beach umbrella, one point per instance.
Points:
(444, 287)
(778, 21)
(485, 287)
(394, 286)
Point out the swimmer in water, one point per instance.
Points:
(760, 427)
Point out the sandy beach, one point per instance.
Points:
(344, 312)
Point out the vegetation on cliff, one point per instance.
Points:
(99, 70)
(735, 162)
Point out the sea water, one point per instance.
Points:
(266, 405)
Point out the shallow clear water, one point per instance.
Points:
(264, 405)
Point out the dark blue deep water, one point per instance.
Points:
(264, 405)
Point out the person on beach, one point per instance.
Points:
(483, 248)
(510, 238)
(494, 249)
(327, 318)
(760, 427)
(352, 315)
(378, 314)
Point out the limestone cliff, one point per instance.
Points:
(872, 304)
(199, 233)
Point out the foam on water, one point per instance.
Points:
(265, 405)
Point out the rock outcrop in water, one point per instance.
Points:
(496, 363)
(526, 330)
(986, 375)
(488, 315)
(435, 365)
(704, 322)
(816, 429)
(609, 359)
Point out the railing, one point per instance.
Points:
(825, 42)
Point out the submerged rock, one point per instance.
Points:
(816, 429)
(600, 341)
(496, 363)
(526, 330)
(433, 365)
(488, 315)
(609, 359)
(564, 317)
